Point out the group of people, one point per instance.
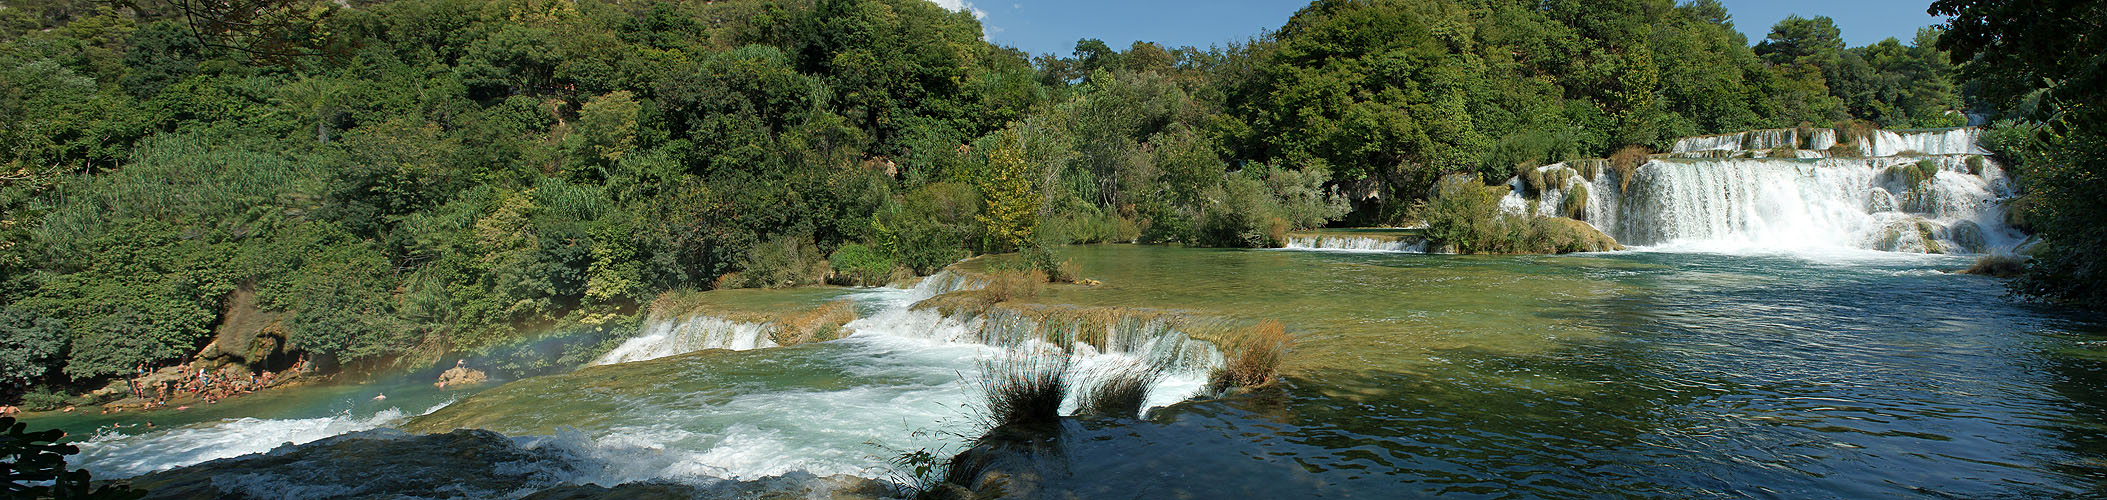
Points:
(9, 411)
(203, 384)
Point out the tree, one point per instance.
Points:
(1010, 198)
(2041, 62)
(30, 344)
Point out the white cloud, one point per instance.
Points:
(967, 6)
(962, 6)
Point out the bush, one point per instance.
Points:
(1024, 388)
(2000, 265)
(43, 401)
(780, 262)
(858, 265)
(1975, 165)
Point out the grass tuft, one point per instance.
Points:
(1627, 162)
(1024, 387)
(1119, 390)
(1254, 356)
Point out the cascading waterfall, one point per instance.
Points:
(1356, 244)
(663, 338)
(1812, 139)
(1957, 141)
(1883, 202)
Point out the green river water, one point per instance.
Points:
(1621, 375)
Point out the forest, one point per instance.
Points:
(399, 180)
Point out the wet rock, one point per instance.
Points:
(459, 377)
(1968, 235)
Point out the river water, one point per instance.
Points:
(1643, 374)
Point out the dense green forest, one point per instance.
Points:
(408, 178)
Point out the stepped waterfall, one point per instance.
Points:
(1902, 191)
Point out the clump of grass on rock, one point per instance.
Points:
(1025, 387)
(1118, 390)
(1253, 356)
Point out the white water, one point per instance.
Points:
(1958, 141)
(111, 455)
(902, 378)
(1354, 244)
(663, 338)
(1816, 139)
(1759, 204)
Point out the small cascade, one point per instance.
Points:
(1356, 243)
(1948, 199)
(1807, 143)
(663, 338)
(1956, 141)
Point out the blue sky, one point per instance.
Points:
(1043, 26)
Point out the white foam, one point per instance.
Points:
(112, 455)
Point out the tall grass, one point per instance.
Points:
(1119, 390)
(1024, 387)
(1627, 162)
(1254, 356)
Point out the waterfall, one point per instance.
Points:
(1811, 140)
(1355, 244)
(1883, 202)
(663, 338)
(1957, 141)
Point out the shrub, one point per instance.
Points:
(1119, 390)
(43, 401)
(1253, 357)
(858, 265)
(1975, 165)
(780, 262)
(1533, 182)
(1461, 212)
(2000, 265)
(1588, 168)
(1627, 162)
(1024, 388)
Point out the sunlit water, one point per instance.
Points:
(1646, 374)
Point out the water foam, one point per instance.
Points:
(112, 455)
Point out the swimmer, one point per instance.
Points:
(382, 397)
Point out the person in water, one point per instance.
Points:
(382, 397)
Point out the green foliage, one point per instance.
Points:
(858, 265)
(1465, 215)
(449, 176)
(30, 344)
